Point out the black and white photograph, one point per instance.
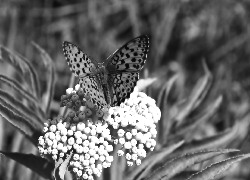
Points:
(125, 90)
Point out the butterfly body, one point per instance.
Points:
(110, 82)
(102, 79)
(102, 73)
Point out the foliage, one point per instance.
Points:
(197, 71)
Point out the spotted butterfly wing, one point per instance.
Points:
(79, 63)
(121, 71)
(131, 57)
(121, 86)
(81, 66)
(123, 68)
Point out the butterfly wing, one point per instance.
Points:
(81, 65)
(123, 68)
(92, 87)
(131, 57)
(122, 85)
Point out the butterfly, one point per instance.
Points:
(111, 82)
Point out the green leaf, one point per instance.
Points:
(203, 85)
(37, 164)
(153, 158)
(180, 163)
(187, 129)
(35, 124)
(217, 141)
(19, 107)
(61, 167)
(19, 89)
(184, 175)
(22, 66)
(197, 96)
(216, 170)
(162, 103)
(164, 92)
(30, 130)
(142, 84)
(49, 92)
(118, 166)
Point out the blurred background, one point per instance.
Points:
(183, 34)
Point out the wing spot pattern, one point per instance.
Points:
(134, 52)
(125, 65)
(90, 84)
(123, 85)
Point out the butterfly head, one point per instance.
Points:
(100, 66)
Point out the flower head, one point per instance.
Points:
(90, 134)
(135, 124)
(83, 132)
(89, 143)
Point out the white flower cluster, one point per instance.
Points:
(90, 144)
(72, 90)
(85, 132)
(135, 121)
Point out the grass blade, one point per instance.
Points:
(216, 141)
(150, 161)
(61, 167)
(216, 170)
(27, 127)
(37, 164)
(197, 95)
(186, 129)
(180, 163)
(164, 92)
(49, 92)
